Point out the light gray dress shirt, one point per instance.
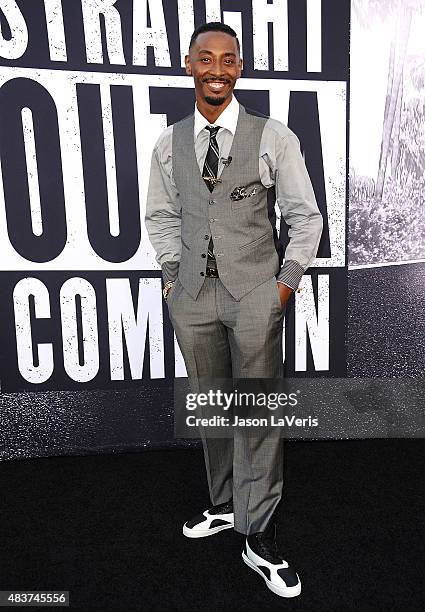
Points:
(281, 165)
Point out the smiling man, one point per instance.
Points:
(215, 178)
(213, 88)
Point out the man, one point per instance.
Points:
(215, 177)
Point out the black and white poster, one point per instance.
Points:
(85, 90)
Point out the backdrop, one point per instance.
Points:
(88, 354)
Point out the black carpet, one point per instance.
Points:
(108, 529)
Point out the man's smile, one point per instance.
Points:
(215, 85)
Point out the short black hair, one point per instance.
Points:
(214, 26)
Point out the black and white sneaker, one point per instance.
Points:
(262, 555)
(211, 521)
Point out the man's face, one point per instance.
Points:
(215, 65)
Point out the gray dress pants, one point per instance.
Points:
(225, 338)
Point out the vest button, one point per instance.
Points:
(203, 255)
(202, 273)
(211, 202)
(206, 237)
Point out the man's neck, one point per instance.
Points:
(210, 112)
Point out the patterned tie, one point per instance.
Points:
(211, 159)
(210, 171)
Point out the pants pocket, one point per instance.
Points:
(172, 295)
(276, 285)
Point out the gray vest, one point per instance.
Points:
(244, 241)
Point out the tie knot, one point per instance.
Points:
(212, 130)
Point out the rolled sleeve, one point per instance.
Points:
(298, 206)
(290, 274)
(163, 212)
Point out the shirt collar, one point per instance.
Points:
(227, 120)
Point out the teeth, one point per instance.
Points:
(216, 85)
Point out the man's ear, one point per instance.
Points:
(188, 66)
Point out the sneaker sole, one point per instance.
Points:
(203, 533)
(281, 591)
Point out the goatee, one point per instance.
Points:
(215, 101)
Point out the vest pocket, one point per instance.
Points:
(255, 242)
(250, 199)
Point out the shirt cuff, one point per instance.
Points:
(290, 274)
(170, 270)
